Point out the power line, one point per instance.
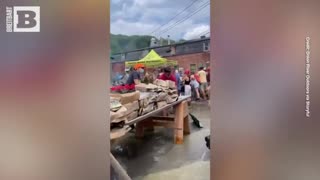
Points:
(192, 3)
(201, 34)
(206, 33)
(186, 8)
(184, 19)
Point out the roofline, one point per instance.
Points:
(169, 56)
(195, 40)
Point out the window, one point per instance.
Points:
(123, 57)
(193, 68)
(206, 46)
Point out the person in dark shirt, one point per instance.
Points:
(186, 83)
(179, 83)
(167, 75)
(208, 75)
(134, 77)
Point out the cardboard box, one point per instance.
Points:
(146, 87)
(147, 109)
(119, 114)
(162, 96)
(132, 116)
(171, 99)
(131, 107)
(152, 86)
(146, 99)
(118, 120)
(141, 87)
(115, 104)
(171, 84)
(127, 97)
(172, 91)
(143, 103)
(161, 104)
(161, 83)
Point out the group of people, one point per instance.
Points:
(135, 76)
(195, 84)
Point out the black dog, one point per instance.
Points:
(207, 139)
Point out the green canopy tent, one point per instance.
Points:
(152, 60)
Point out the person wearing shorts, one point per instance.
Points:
(194, 83)
(203, 82)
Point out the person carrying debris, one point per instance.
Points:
(134, 77)
(168, 75)
(203, 82)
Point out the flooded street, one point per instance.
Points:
(156, 155)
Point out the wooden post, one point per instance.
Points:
(178, 132)
(139, 129)
(142, 126)
(186, 127)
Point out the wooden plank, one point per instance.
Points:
(157, 111)
(165, 124)
(144, 121)
(163, 118)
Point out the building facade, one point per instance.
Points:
(190, 54)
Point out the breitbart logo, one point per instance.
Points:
(23, 19)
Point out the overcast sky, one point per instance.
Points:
(142, 17)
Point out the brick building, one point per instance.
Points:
(189, 54)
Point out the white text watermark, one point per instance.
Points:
(307, 74)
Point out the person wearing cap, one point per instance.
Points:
(134, 77)
(167, 75)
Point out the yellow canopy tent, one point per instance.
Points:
(152, 60)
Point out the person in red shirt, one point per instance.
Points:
(196, 76)
(168, 75)
(187, 72)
